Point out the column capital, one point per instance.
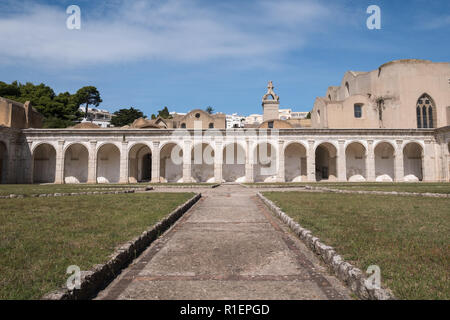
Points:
(399, 142)
(341, 142)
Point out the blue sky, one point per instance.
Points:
(191, 54)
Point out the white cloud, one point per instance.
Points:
(174, 30)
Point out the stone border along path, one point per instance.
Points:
(121, 190)
(62, 194)
(325, 189)
(102, 274)
(227, 246)
(349, 274)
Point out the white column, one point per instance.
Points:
(428, 162)
(218, 161)
(187, 166)
(92, 163)
(281, 174)
(341, 162)
(123, 177)
(59, 168)
(398, 167)
(249, 160)
(370, 162)
(29, 163)
(311, 162)
(156, 166)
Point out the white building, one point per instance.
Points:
(235, 121)
(299, 115)
(100, 117)
(254, 119)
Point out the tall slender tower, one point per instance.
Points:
(270, 104)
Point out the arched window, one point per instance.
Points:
(425, 112)
(347, 90)
(211, 125)
(183, 125)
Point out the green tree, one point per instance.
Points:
(163, 113)
(209, 109)
(124, 117)
(308, 116)
(89, 96)
(59, 111)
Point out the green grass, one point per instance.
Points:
(41, 237)
(407, 237)
(422, 187)
(29, 189)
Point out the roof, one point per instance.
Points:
(85, 125)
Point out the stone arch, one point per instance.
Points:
(202, 162)
(355, 161)
(3, 162)
(326, 164)
(108, 163)
(384, 153)
(413, 162)
(44, 163)
(171, 162)
(76, 163)
(264, 162)
(233, 163)
(140, 163)
(295, 169)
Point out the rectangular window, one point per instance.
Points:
(270, 124)
(358, 110)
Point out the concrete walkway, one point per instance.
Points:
(228, 246)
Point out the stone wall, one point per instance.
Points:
(111, 156)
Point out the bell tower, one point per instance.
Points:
(270, 104)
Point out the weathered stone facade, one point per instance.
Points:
(401, 111)
(253, 155)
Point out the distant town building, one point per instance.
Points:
(253, 119)
(235, 121)
(100, 117)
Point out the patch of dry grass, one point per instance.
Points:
(407, 237)
(41, 237)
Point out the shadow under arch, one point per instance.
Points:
(76, 163)
(44, 163)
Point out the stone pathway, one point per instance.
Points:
(228, 246)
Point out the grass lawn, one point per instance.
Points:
(422, 187)
(41, 237)
(29, 189)
(408, 238)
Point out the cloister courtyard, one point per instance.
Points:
(228, 245)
